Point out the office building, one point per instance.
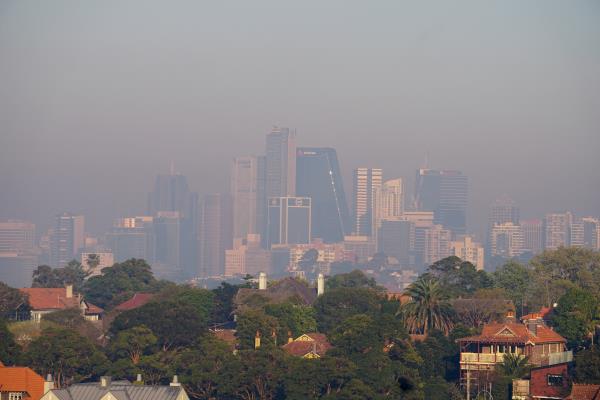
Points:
(506, 240)
(17, 236)
(436, 244)
(247, 257)
(445, 193)
(67, 239)
(422, 220)
(396, 239)
(367, 184)
(532, 231)
(216, 234)
(318, 176)
(280, 163)
(16, 269)
(503, 210)
(289, 220)
(591, 233)
(328, 253)
(576, 232)
(557, 230)
(391, 200)
(248, 196)
(359, 249)
(469, 250)
(132, 237)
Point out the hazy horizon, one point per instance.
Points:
(98, 98)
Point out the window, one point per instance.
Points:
(555, 380)
(15, 396)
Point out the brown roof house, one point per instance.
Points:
(22, 383)
(47, 300)
(138, 300)
(581, 391)
(308, 345)
(545, 349)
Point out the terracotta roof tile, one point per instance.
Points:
(319, 344)
(520, 334)
(138, 300)
(93, 309)
(50, 298)
(21, 379)
(581, 391)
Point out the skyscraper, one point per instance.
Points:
(17, 236)
(396, 239)
(436, 244)
(556, 230)
(167, 245)
(469, 250)
(318, 176)
(503, 210)
(17, 256)
(391, 199)
(215, 234)
(506, 240)
(67, 238)
(281, 163)
(533, 235)
(367, 184)
(247, 192)
(289, 220)
(445, 193)
(132, 238)
(591, 233)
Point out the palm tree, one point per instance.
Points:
(514, 365)
(428, 309)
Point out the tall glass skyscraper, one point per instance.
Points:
(281, 163)
(367, 185)
(318, 177)
(445, 193)
(289, 220)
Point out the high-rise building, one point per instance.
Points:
(16, 269)
(445, 193)
(436, 244)
(171, 194)
(281, 163)
(17, 236)
(247, 193)
(504, 210)
(167, 246)
(396, 239)
(367, 184)
(532, 231)
(318, 176)
(469, 250)
(327, 253)
(247, 257)
(557, 230)
(132, 237)
(391, 199)
(576, 232)
(289, 220)
(591, 233)
(506, 240)
(359, 248)
(215, 234)
(422, 221)
(67, 239)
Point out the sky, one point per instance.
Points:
(96, 98)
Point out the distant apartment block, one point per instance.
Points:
(532, 231)
(557, 230)
(367, 184)
(506, 240)
(467, 249)
(67, 239)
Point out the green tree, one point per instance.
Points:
(133, 343)
(119, 283)
(354, 279)
(67, 318)
(71, 274)
(515, 279)
(587, 366)
(68, 356)
(12, 301)
(261, 373)
(428, 308)
(10, 352)
(355, 335)
(459, 278)
(293, 318)
(576, 315)
(514, 366)
(486, 305)
(336, 305)
(251, 321)
(223, 301)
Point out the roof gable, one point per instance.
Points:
(21, 379)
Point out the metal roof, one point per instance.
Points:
(121, 390)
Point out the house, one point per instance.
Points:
(581, 391)
(545, 349)
(21, 383)
(47, 300)
(138, 300)
(107, 389)
(308, 345)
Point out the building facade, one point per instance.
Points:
(248, 196)
(289, 220)
(280, 164)
(367, 184)
(532, 231)
(215, 234)
(467, 249)
(67, 239)
(506, 240)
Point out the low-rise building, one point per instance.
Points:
(308, 345)
(46, 300)
(22, 383)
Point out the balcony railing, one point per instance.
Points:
(482, 358)
(552, 358)
(536, 359)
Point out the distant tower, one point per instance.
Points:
(532, 231)
(67, 238)
(215, 234)
(557, 230)
(367, 184)
(320, 284)
(281, 163)
(289, 220)
(318, 176)
(247, 192)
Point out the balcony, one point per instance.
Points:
(481, 358)
(543, 360)
(496, 358)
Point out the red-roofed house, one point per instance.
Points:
(47, 300)
(544, 348)
(308, 345)
(21, 383)
(581, 391)
(138, 300)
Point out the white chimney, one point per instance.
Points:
(69, 291)
(262, 281)
(48, 383)
(175, 381)
(320, 284)
(105, 381)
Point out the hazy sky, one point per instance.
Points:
(97, 97)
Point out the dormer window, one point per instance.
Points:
(15, 396)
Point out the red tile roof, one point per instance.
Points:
(319, 344)
(21, 379)
(93, 309)
(138, 300)
(542, 314)
(50, 298)
(515, 333)
(581, 391)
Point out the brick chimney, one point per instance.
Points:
(69, 291)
